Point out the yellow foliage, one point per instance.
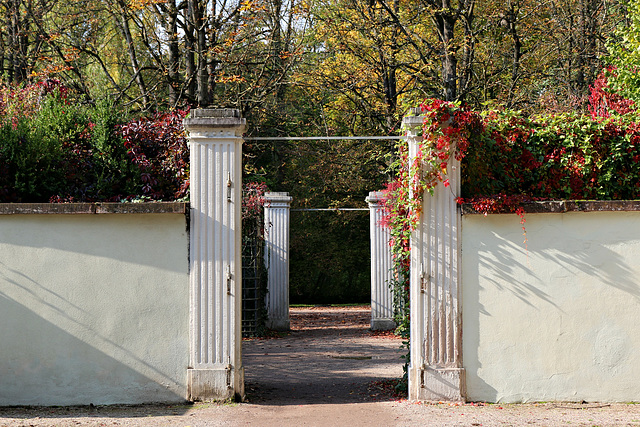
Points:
(230, 79)
(141, 4)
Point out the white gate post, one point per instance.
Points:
(276, 224)
(381, 275)
(435, 369)
(215, 371)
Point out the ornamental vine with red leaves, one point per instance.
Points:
(510, 160)
(447, 131)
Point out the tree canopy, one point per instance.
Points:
(359, 63)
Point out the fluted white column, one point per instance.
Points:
(435, 370)
(215, 370)
(381, 262)
(276, 222)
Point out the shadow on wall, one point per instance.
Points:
(48, 366)
(154, 237)
(93, 310)
(563, 260)
(544, 304)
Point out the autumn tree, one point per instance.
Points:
(21, 44)
(375, 56)
(624, 49)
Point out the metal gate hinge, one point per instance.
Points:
(229, 368)
(423, 278)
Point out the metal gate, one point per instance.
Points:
(254, 279)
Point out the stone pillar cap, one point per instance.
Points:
(278, 196)
(412, 121)
(215, 118)
(375, 197)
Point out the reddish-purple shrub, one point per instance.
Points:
(157, 145)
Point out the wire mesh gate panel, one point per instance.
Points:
(254, 279)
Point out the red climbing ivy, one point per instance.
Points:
(603, 102)
(510, 159)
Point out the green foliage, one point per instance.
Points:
(330, 258)
(624, 51)
(565, 156)
(66, 150)
(27, 163)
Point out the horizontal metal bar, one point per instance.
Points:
(312, 138)
(328, 209)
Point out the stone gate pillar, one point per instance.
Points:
(381, 275)
(276, 224)
(215, 370)
(435, 370)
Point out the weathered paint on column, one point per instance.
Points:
(435, 370)
(381, 296)
(276, 222)
(215, 370)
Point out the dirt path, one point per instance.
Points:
(329, 371)
(330, 356)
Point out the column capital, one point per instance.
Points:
(413, 123)
(215, 123)
(375, 198)
(277, 199)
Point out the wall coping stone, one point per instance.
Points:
(94, 208)
(563, 206)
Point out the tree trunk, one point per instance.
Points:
(123, 25)
(17, 44)
(446, 25)
(199, 21)
(174, 54)
(516, 53)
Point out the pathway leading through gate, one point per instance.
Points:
(277, 233)
(330, 356)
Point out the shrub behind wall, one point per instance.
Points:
(56, 148)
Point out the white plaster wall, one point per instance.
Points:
(93, 309)
(558, 320)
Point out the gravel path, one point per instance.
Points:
(329, 371)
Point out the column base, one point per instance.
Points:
(382, 324)
(215, 384)
(437, 384)
(278, 324)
